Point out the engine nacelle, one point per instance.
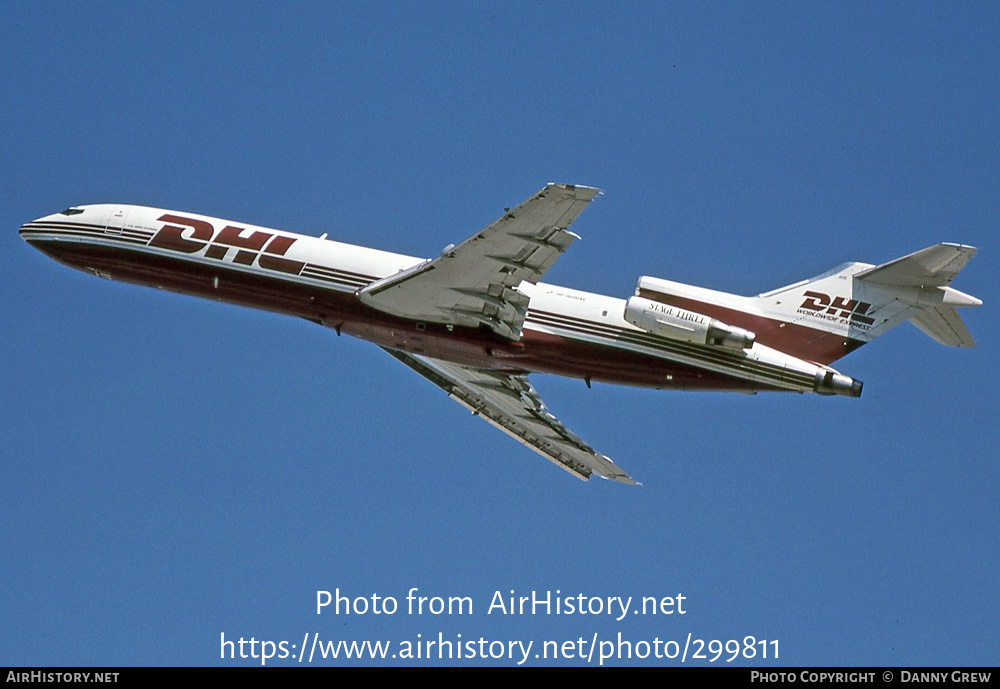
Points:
(681, 324)
(829, 382)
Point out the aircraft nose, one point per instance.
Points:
(31, 231)
(49, 234)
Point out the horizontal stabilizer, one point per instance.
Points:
(945, 325)
(935, 266)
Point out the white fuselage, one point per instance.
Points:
(566, 331)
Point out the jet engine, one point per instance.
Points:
(681, 324)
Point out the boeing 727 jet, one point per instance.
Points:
(476, 320)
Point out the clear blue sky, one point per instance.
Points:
(176, 469)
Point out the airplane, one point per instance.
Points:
(476, 320)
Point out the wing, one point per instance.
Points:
(510, 403)
(475, 282)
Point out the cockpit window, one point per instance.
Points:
(72, 211)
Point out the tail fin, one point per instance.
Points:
(930, 271)
(857, 302)
(831, 315)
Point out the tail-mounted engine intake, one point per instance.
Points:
(688, 326)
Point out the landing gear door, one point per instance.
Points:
(117, 219)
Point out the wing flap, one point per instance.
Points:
(475, 283)
(511, 404)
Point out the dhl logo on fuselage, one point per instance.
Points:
(264, 247)
(820, 304)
